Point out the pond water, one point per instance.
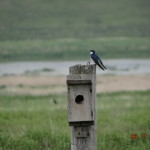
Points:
(114, 67)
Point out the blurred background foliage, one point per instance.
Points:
(32, 29)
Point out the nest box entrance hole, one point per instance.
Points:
(79, 99)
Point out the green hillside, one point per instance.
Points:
(40, 20)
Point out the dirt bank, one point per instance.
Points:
(41, 85)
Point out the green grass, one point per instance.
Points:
(74, 49)
(36, 122)
(38, 19)
(66, 29)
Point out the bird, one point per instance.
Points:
(96, 59)
(54, 101)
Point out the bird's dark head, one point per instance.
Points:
(92, 52)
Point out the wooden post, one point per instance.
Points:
(81, 83)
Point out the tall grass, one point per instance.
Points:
(36, 122)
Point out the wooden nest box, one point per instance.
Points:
(81, 95)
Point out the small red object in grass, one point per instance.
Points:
(144, 136)
(133, 136)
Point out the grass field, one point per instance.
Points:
(74, 49)
(37, 19)
(37, 123)
(66, 30)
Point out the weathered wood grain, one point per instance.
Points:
(81, 83)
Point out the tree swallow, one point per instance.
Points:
(96, 59)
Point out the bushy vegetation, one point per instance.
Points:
(39, 123)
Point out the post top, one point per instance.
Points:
(82, 69)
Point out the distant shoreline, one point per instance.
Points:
(114, 67)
